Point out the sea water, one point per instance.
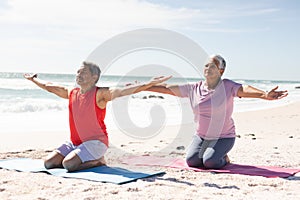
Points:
(24, 107)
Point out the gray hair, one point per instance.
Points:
(221, 61)
(94, 69)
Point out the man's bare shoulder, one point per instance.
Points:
(103, 93)
(103, 88)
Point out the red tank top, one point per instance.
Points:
(86, 119)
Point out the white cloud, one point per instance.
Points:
(92, 14)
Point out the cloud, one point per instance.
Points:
(92, 16)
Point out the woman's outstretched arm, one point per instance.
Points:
(248, 91)
(166, 89)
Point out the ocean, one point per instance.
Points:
(24, 107)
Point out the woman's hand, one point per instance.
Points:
(273, 94)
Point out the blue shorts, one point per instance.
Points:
(87, 151)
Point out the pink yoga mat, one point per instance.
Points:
(265, 171)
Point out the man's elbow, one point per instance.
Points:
(49, 87)
(116, 93)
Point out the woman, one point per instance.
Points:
(212, 104)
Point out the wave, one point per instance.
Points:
(32, 105)
(19, 95)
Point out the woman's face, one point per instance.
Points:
(211, 69)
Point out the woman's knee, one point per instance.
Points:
(194, 162)
(213, 164)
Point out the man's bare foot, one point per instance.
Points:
(101, 161)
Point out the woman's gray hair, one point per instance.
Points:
(220, 60)
(94, 69)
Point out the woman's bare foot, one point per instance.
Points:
(227, 159)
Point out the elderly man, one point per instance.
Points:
(87, 108)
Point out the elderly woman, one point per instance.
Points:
(212, 103)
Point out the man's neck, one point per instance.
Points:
(85, 89)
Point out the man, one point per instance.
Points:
(87, 108)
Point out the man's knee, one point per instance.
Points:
(52, 163)
(48, 164)
(69, 165)
(53, 160)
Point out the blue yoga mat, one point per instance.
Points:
(107, 174)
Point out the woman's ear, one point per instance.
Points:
(222, 71)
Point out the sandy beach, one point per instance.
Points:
(265, 137)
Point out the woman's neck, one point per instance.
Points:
(212, 83)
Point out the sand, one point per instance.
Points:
(265, 137)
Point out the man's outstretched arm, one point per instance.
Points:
(48, 86)
(132, 89)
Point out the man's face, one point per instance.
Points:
(84, 76)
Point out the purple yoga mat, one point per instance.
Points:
(265, 171)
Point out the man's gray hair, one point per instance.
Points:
(94, 69)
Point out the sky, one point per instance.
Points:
(259, 39)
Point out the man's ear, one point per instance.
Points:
(95, 77)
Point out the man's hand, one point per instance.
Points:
(60, 91)
(30, 76)
(158, 80)
(113, 93)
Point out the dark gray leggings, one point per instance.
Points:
(208, 153)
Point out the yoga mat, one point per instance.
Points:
(265, 171)
(107, 174)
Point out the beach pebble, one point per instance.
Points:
(153, 96)
(133, 189)
(180, 148)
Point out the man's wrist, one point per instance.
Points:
(266, 94)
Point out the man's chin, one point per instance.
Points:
(78, 82)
